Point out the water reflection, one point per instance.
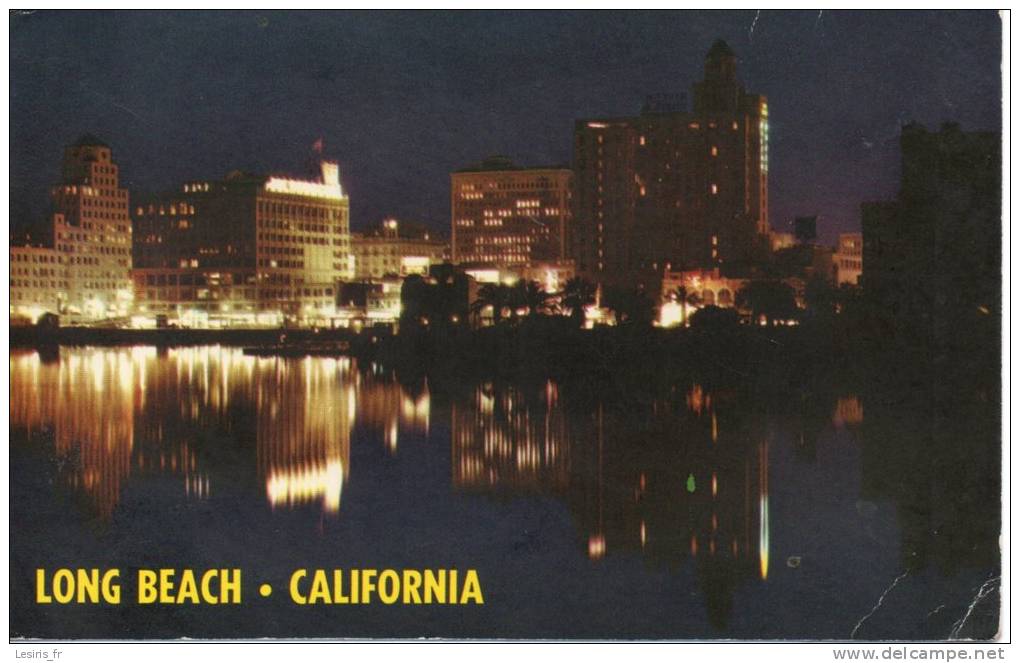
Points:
(113, 414)
(692, 477)
(679, 479)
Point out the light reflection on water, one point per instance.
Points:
(688, 478)
(686, 489)
(116, 413)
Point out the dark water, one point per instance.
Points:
(697, 513)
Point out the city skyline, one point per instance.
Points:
(847, 83)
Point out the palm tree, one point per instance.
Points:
(577, 294)
(531, 295)
(685, 297)
(494, 295)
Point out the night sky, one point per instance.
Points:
(403, 98)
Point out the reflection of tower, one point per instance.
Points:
(304, 417)
(763, 508)
(597, 541)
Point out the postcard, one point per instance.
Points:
(516, 325)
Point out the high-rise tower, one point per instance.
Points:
(674, 189)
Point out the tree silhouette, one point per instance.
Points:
(532, 296)
(577, 294)
(631, 306)
(772, 299)
(495, 295)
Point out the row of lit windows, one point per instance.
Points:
(86, 190)
(101, 214)
(213, 278)
(504, 240)
(270, 208)
(89, 225)
(508, 257)
(105, 203)
(299, 227)
(29, 271)
(282, 250)
(173, 210)
(304, 241)
(281, 264)
(35, 257)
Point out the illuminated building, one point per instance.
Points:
(780, 240)
(38, 282)
(393, 249)
(505, 215)
(848, 258)
(369, 302)
(83, 272)
(244, 250)
(672, 188)
(702, 288)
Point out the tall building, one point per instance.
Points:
(932, 257)
(82, 271)
(395, 249)
(506, 216)
(671, 188)
(848, 258)
(244, 250)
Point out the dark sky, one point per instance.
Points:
(403, 98)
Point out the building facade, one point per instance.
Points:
(82, 271)
(395, 249)
(38, 283)
(849, 258)
(244, 250)
(671, 188)
(505, 215)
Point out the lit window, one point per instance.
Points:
(642, 141)
(715, 189)
(715, 151)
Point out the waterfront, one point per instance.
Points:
(694, 512)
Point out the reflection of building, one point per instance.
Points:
(848, 258)
(105, 412)
(504, 440)
(506, 215)
(671, 188)
(304, 417)
(85, 275)
(244, 250)
(632, 484)
(386, 409)
(394, 250)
